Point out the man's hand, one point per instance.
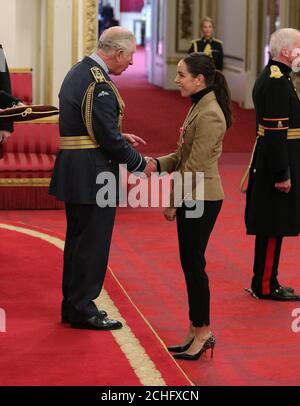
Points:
(150, 167)
(134, 140)
(170, 213)
(4, 135)
(284, 187)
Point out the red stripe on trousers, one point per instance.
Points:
(268, 266)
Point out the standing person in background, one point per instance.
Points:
(107, 16)
(6, 100)
(273, 193)
(208, 44)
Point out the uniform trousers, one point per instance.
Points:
(266, 260)
(193, 236)
(88, 239)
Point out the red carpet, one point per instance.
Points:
(38, 350)
(255, 343)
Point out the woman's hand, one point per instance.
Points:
(170, 213)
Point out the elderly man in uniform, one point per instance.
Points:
(273, 194)
(91, 111)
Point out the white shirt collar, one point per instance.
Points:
(99, 61)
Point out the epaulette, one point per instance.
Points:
(275, 72)
(87, 103)
(98, 74)
(218, 40)
(195, 44)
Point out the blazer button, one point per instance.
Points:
(109, 161)
(254, 170)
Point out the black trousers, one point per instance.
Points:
(88, 238)
(266, 260)
(193, 236)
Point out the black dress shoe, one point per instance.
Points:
(65, 319)
(97, 323)
(281, 295)
(208, 344)
(290, 290)
(180, 348)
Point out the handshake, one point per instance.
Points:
(150, 167)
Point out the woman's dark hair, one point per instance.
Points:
(201, 64)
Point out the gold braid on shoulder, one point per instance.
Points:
(87, 102)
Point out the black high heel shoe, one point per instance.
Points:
(208, 344)
(181, 348)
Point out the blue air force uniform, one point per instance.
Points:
(271, 214)
(91, 111)
(211, 47)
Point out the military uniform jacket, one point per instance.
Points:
(276, 157)
(199, 149)
(212, 47)
(5, 90)
(75, 171)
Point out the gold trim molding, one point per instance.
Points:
(173, 61)
(20, 70)
(45, 120)
(24, 182)
(294, 15)
(74, 31)
(50, 50)
(90, 31)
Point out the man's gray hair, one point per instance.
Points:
(115, 38)
(284, 38)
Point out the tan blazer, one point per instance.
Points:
(199, 148)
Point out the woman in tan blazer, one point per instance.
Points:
(199, 149)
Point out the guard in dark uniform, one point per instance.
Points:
(211, 47)
(91, 111)
(273, 207)
(6, 100)
(5, 90)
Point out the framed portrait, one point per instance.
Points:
(185, 10)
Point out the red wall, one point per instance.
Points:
(131, 5)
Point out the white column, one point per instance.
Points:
(59, 46)
(8, 29)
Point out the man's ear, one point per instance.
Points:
(119, 53)
(285, 52)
